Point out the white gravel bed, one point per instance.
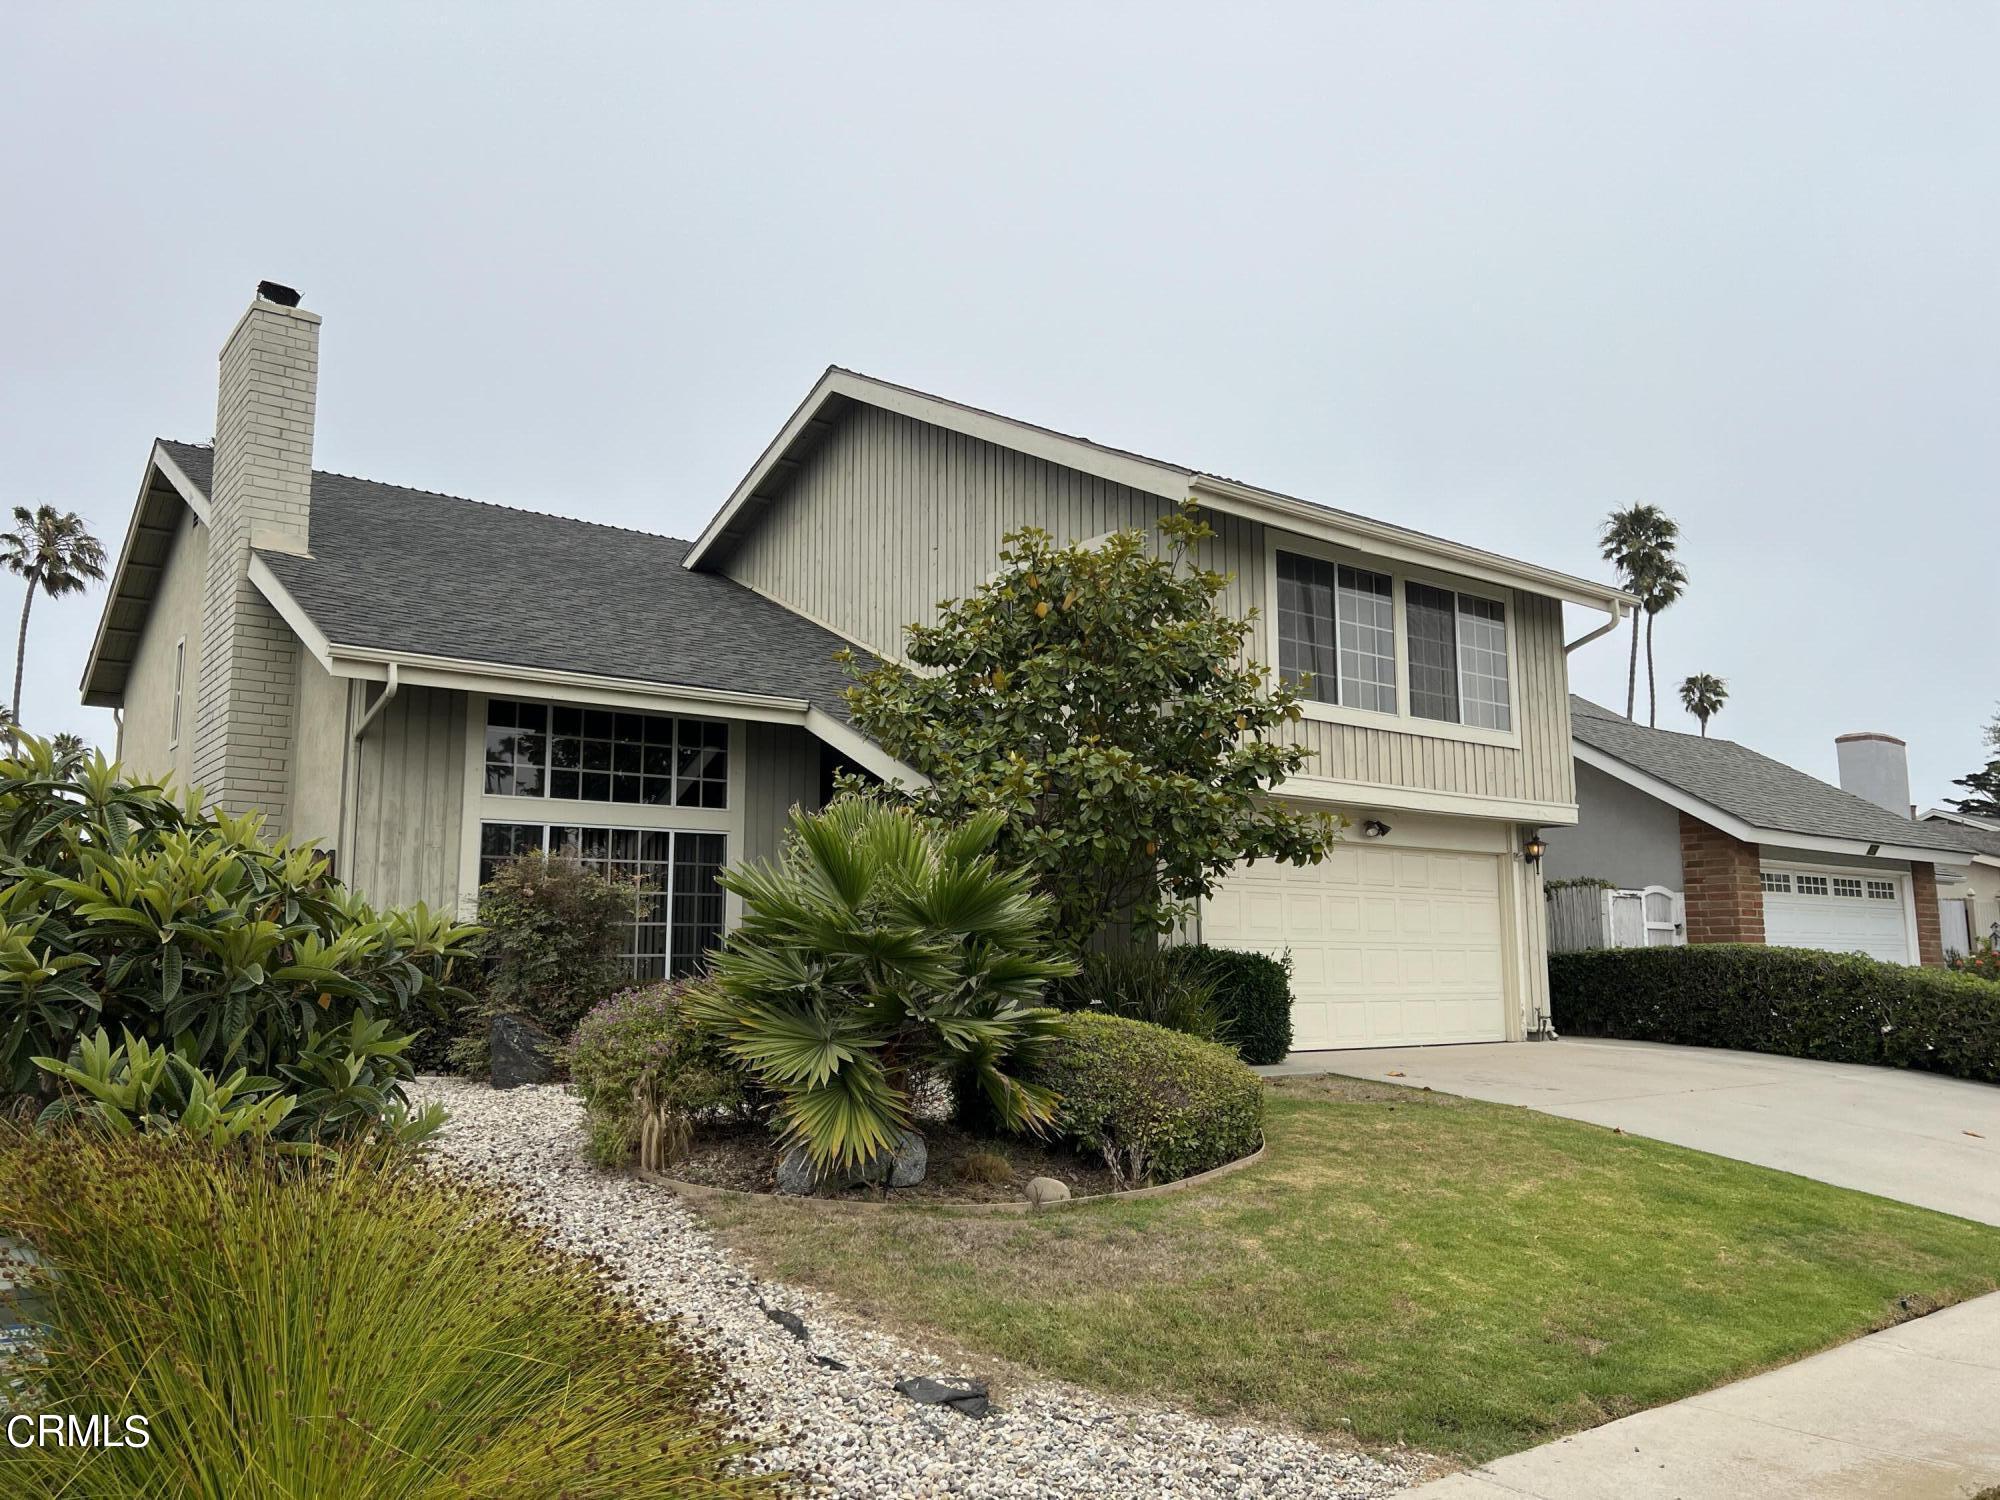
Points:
(846, 1431)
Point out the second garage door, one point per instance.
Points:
(1858, 913)
(1389, 947)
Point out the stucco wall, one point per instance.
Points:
(146, 746)
(1622, 835)
(889, 515)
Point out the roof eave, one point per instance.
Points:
(1402, 544)
(160, 462)
(465, 674)
(1685, 801)
(807, 425)
(1113, 464)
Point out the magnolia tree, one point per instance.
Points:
(1098, 700)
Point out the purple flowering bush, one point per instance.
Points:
(648, 1072)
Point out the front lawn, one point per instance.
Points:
(1405, 1267)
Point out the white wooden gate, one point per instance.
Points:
(1582, 917)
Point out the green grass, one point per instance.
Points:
(1406, 1267)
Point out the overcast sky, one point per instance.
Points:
(1488, 271)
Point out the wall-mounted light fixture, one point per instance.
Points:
(1532, 849)
(1374, 828)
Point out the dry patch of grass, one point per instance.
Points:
(1405, 1267)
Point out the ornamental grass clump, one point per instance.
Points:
(299, 1327)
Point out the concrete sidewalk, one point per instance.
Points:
(1912, 1413)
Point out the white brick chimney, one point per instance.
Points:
(260, 496)
(1876, 768)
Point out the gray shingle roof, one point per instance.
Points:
(1981, 840)
(1754, 788)
(397, 569)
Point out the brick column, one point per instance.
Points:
(260, 496)
(1724, 897)
(1930, 931)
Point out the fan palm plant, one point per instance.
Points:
(52, 551)
(1639, 542)
(877, 950)
(1703, 696)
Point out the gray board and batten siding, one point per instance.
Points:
(887, 516)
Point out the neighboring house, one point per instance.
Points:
(422, 684)
(1972, 907)
(1755, 851)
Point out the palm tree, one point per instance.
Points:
(1663, 584)
(1703, 696)
(68, 747)
(54, 552)
(1639, 542)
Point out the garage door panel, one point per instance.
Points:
(1388, 946)
(1815, 909)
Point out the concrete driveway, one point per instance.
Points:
(1911, 1136)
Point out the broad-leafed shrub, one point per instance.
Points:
(555, 931)
(1155, 1104)
(647, 1072)
(1253, 999)
(1837, 1007)
(127, 909)
(345, 1088)
(290, 1328)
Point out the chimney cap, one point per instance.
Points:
(278, 292)
(1866, 734)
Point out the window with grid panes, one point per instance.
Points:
(679, 913)
(605, 755)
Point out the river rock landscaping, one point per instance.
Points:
(820, 1389)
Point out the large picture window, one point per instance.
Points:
(604, 755)
(680, 908)
(1337, 632)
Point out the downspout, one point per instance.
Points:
(382, 702)
(1617, 619)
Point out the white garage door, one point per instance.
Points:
(1389, 946)
(1858, 913)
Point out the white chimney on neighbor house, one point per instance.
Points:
(1876, 768)
(261, 497)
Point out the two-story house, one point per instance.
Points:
(423, 684)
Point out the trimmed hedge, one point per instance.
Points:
(1253, 994)
(1158, 1105)
(1800, 1002)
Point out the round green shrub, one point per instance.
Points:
(1252, 996)
(640, 1051)
(1156, 1104)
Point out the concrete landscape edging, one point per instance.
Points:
(701, 1193)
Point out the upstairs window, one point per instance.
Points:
(1458, 657)
(603, 755)
(1337, 632)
